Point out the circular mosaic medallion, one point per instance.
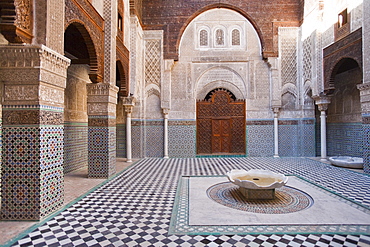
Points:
(287, 199)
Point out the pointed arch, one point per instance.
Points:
(80, 48)
(217, 6)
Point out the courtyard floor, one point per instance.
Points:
(154, 202)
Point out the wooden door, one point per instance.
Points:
(221, 133)
(221, 124)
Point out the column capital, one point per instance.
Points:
(322, 101)
(128, 103)
(165, 111)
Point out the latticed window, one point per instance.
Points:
(220, 40)
(235, 37)
(203, 38)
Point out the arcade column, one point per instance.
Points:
(34, 79)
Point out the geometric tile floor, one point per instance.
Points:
(134, 208)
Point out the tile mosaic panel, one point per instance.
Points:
(32, 172)
(51, 164)
(102, 151)
(260, 140)
(154, 141)
(121, 140)
(297, 140)
(288, 141)
(137, 139)
(366, 147)
(307, 140)
(75, 146)
(181, 141)
(344, 139)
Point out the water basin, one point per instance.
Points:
(257, 179)
(347, 161)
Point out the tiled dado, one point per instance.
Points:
(148, 136)
(344, 139)
(101, 147)
(32, 167)
(182, 138)
(75, 146)
(121, 140)
(296, 137)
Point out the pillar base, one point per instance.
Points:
(251, 194)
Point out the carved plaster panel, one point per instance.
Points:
(29, 75)
(20, 92)
(18, 117)
(102, 122)
(101, 109)
(51, 95)
(32, 64)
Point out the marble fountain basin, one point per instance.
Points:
(347, 161)
(257, 184)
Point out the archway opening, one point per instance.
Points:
(344, 120)
(121, 83)
(75, 97)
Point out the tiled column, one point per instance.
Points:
(101, 109)
(365, 108)
(322, 102)
(365, 87)
(34, 79)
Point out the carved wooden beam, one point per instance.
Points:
(16, 20)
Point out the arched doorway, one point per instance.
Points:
(121, 83)
(220, 124)
(79, 48)
(344, 120)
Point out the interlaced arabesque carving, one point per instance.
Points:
(23, 9)
(307, 58)
(288, 55)
(152, 62)
(220, 124)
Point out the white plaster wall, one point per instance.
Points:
(98, 5)
(126, 21)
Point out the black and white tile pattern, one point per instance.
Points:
(134, 208)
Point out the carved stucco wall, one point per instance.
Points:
(202, 68)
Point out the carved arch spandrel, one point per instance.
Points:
(92, 29)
